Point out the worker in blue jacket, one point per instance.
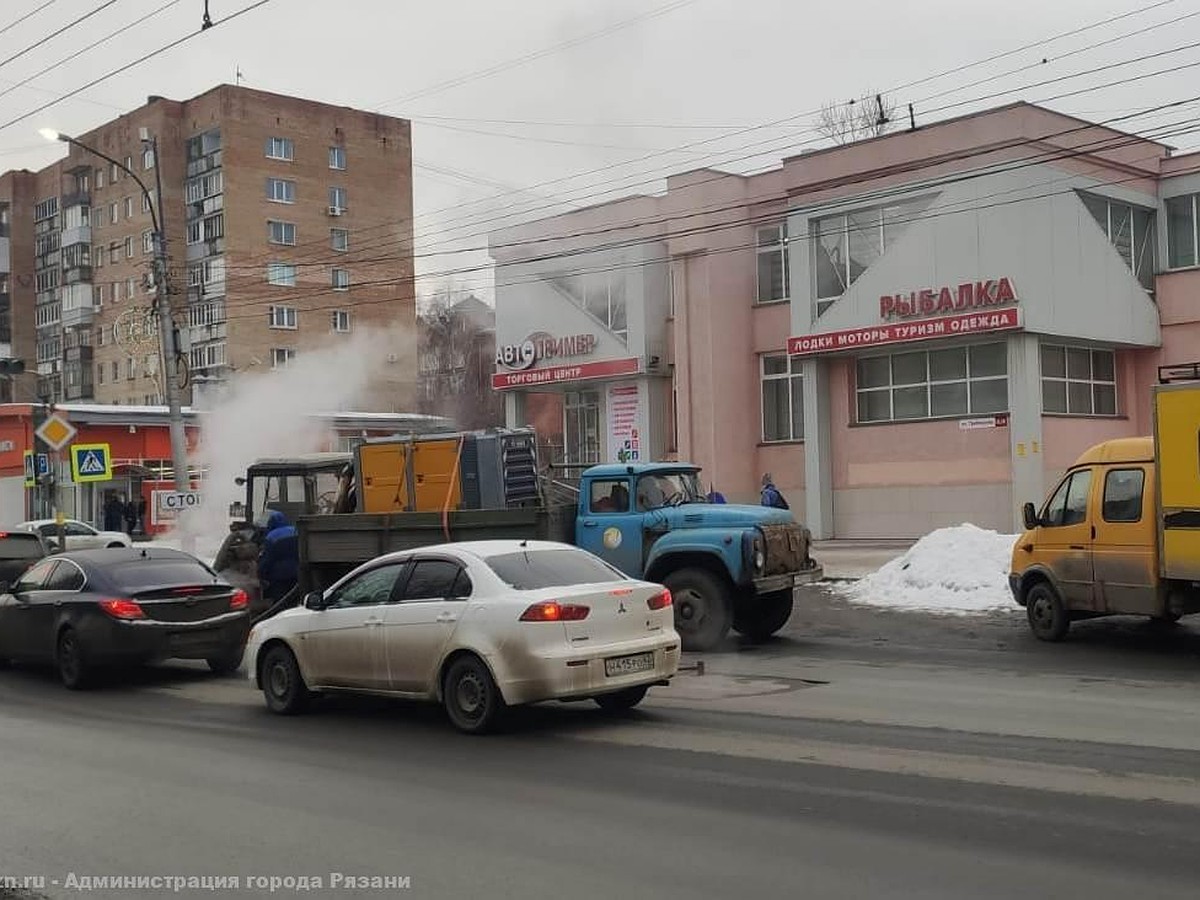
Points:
(279, 560)
(771, 495)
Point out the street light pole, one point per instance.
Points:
(162, 303)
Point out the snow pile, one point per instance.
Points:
(957, 571)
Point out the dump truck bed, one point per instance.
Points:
(1177, 450)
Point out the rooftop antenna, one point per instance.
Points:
(238, 75)
(207, 22)
(912, 118)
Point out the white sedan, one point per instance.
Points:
(476, 626)
(80, 535)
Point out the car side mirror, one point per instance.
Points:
(1029, 513)
(314, 600)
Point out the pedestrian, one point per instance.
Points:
(141, 513)
(113, 510)
(130, 515)
(771, 495)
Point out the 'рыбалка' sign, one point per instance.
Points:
(939, 301)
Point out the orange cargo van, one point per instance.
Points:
(1120, 533)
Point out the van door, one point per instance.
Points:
(1064, 539)
(1123, 553)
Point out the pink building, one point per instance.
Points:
(908, 332)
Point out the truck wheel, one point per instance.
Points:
(702, 608)
(767, 615)
(1048, 618)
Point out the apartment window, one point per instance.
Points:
(147, 241)
(129, 163)
(147, 159)
(337, 198)
(1131, 231)
(1078, 381)
(113, 216)
(782, 398)
(281, 233)
(98, 255)
(337, 158)
(114, 252)
(130, 368)
(100, 332)
(339, 239)
(130, 288)
(214, 227)
(282, 317)
(195, 232)
(772, 263)
(341, 279)
(282, 274)
(99, 373)
(933, 384)
(116, 370)
(113, 172)
(281, 357)
(77, 217)
(128, 207)
(129, 247)
(99, 179)
(280, 148)
(147, 199)
(341, 321)
(1183, 238)
(847, 244)
(280, 190)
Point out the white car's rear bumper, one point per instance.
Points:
(578, 673)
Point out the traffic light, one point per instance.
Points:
(12, 367)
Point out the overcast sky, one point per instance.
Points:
(684, 72)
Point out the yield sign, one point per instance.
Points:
(56, 432)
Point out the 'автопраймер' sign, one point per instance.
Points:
(1008, 319)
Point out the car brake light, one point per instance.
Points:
(555, 612)
(122, 609)
(660, 600)
(239, 600)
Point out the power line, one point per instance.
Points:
(537, 54)
(55, 34)
(91, 46)
(29, 15)
(141, 59)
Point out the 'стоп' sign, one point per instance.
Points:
(901, 332)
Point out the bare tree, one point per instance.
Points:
(869, 116)
(456, 359)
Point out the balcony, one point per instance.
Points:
(77, 234)
(77, 274)
(79, 317)
(77, 198)
(83, 355)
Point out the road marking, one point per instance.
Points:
(929, 764)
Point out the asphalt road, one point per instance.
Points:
(825, 767)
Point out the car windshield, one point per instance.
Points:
(669, 489)
(533, 570)
(18, 545)
(138, 575)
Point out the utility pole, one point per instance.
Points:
(162, 301)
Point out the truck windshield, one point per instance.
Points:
(669, 489)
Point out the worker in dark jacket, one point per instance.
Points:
(771, 495)
(279, 561)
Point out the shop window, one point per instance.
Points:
(782, 398)
(847, 244)
(1183, 238)
(581, 421)
(772, 263)
(1078, 381)
(600, 294)
(933, 384)
(1131, 231)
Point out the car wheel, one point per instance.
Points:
(114, 545)
(72, 664)
(622, 701)
(702, 608)
(1048, 618)
(282, 684)
(767, 615)
(226, 663)
(471, 698)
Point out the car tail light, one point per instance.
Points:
(239, 600)
(555, 612)
(660, 600)
(120, 608)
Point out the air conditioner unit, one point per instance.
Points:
(335, 210)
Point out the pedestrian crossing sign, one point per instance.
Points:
(91, 462)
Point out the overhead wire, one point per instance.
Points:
(29, 15)
(65, 28)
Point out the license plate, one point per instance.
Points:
(629, 665)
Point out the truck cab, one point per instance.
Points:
(727, 565)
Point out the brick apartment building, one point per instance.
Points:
(288, 226)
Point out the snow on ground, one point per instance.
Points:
(956, 571)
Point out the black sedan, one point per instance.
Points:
(89, 609)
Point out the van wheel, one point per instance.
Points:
(1048, 619)
(703, 609)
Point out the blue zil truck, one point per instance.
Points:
(728, 566)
